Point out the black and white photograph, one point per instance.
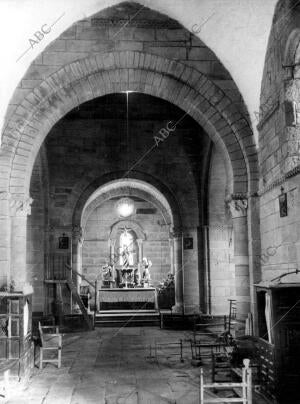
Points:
(149, 204)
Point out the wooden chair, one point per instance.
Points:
(50, 341)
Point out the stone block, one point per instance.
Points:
(40, 72)
(89, 45)
(121, 45)
(175, 53)
(98, 33)
(59, 45)
(62, 58)
(69, 33)
(200, 53)
(4, 253)
(30, 83)
(172, 35)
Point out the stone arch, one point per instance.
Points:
(135, 186)
(292, 100)
(125, 187)
(115, 234)
(291, 52)
(132, 187)
(113, 72)
(131, 224)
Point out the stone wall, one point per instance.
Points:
(36, 236)
(159, 36)
(279, 146)
(77, 152)
(221, 240)
(80, 152)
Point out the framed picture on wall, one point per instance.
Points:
(282, 203)
(188, 243)
(63, 242)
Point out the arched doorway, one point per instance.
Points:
(151, 227)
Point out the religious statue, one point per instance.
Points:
(146, 265)
(137, 277)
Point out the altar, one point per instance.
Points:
(127, 299)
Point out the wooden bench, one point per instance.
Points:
(50, 342)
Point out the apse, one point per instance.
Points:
(107, 236)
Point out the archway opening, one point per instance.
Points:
(132, 252)
(184, 173)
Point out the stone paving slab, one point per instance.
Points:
(111, 366)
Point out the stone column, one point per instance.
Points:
(49, 248)
(77, 241)
(238, 208)
(171, 246)
(20, 207)
(178, 271)
(113, 258)
(112, 243)
(5, 239)
(140, 254)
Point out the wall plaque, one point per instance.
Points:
(188, 243)
(282, 203)
(63, 242)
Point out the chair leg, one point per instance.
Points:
(41, 358)
(59, 358)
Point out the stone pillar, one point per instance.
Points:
(5, 238)
(49, 248)
(238, 208)
(113, 258)
(178, 271)
(20, 207)
(77, 241)
(140, 254)
(171, 246)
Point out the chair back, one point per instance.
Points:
(41, 333)
(84, 290)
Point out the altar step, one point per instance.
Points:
(127, 318)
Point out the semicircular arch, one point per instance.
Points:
(126, 187)
(114, 72)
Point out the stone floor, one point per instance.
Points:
(114, 366)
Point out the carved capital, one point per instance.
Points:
(77, 234)
(4, 195)
(139, 241)
(238, 207)
(49, 229)
(20, 207)
(176, 233)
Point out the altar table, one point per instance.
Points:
(127, 298)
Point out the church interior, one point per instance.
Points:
(149, 202)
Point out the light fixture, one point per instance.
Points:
(125, 207)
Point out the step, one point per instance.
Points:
(126, 311)
(127, 318)
(122, 324)
(128, 315)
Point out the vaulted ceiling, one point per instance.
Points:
(235, 30)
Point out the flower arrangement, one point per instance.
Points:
(166, 292)
(166, 283)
